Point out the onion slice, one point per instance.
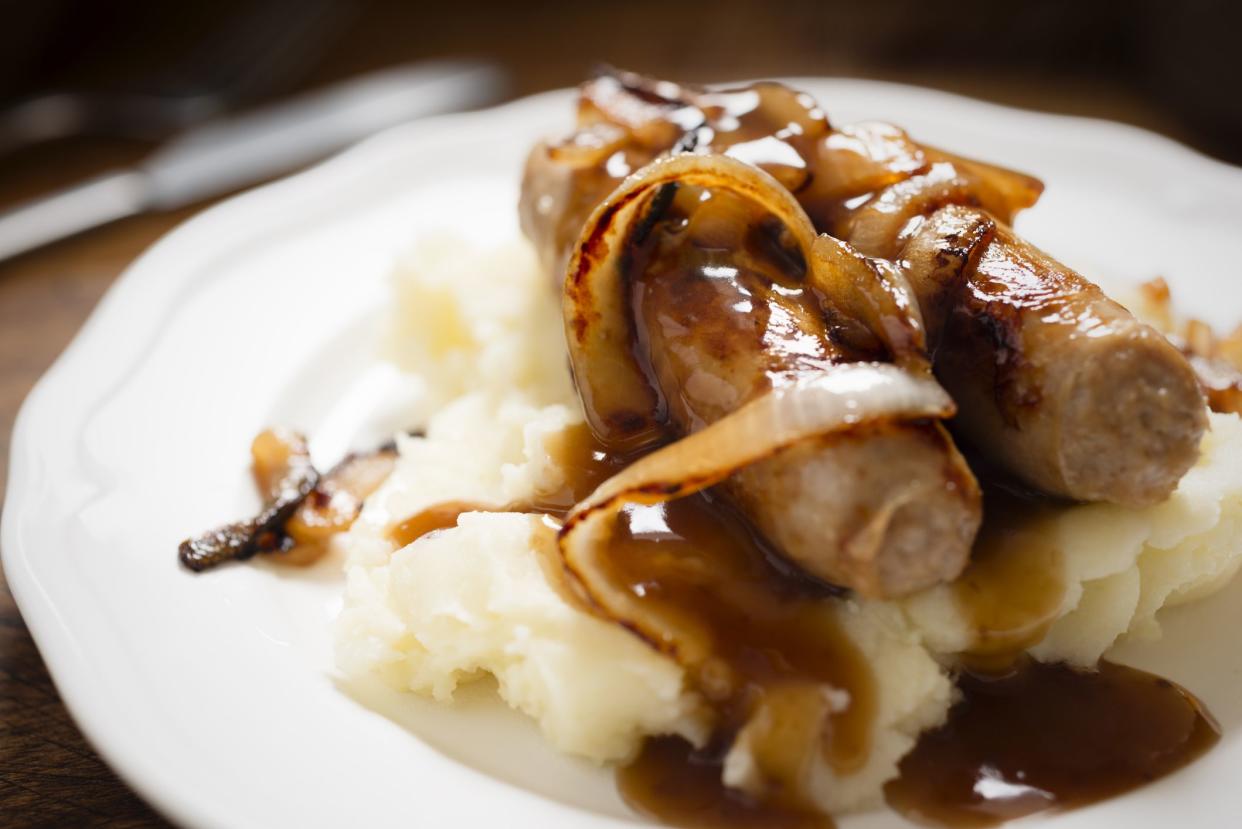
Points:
(1003, 191)
(875, 294)
(621, 406)
(849, 395)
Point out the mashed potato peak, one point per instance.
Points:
(482, 331)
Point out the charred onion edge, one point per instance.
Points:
(847, 396)
(243, 539)
(877, 293)
(961, 234)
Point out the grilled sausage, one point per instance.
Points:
(1054, 381)
(721, 317)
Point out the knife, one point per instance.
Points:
(229, 153)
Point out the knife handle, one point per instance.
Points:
(94, 202)
(239, 150)
(233, 152)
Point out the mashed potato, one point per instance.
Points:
(1122, 565)
(473, 599)
(482, 330)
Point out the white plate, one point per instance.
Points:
(214, 695)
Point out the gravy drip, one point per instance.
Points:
(762, 645)
(1048, 737)
(677, 785)
(586, 464)
(441, 516)
(1014, 587)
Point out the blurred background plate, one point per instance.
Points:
(215, 695)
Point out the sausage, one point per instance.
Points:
(720, 318)
(1054, 381)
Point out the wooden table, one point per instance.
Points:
(48, 774)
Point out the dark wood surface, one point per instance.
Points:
(49, 776)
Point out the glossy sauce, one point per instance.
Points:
(439, 516)
(718, 319)
(586, 464)
(764, 647)
(760, 641)
(675, 784)
(757, 637)
(835, 171)
(1048, 737)
(1026, 737)
(1014, 587)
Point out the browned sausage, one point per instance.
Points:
(722, 317)
(1052, 378)
(1054, 381)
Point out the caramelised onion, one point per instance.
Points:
(621, 405)
(1217, 360)
(873, 294)
(302, 510)
(333, 505)
(1002, 191)
(848, 396)
(938, 255)
(866, 299)
(284, 476)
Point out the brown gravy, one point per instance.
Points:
(1048, 737)
(673, 783)
(586, 463)
(757, 637)
(760, 641)
(435, 517)
(764, 647)
(1014, 587)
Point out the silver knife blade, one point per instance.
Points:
(232, 152)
